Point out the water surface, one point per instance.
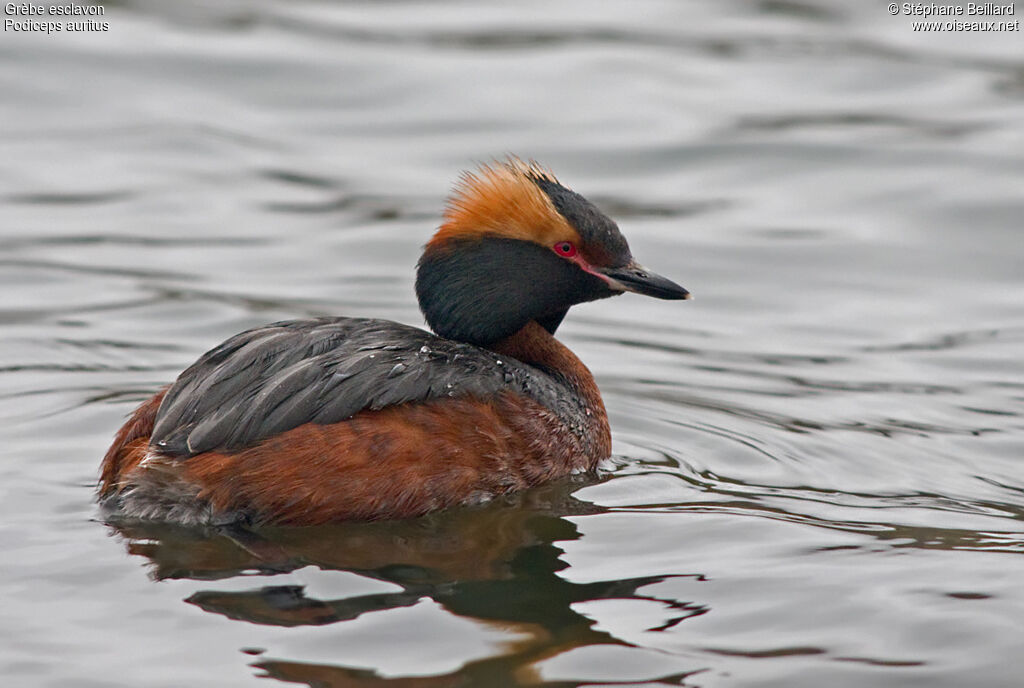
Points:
(818, 473)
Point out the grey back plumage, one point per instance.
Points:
(274, 378)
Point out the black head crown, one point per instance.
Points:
(517, 246)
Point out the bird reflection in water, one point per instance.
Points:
(497, 563)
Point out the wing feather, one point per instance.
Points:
(274, 378)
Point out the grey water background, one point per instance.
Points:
(819, 462)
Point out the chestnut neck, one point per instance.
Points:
(535, 346)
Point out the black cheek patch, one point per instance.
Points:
(485, 289)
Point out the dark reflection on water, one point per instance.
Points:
(496, 564)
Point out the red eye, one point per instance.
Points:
(565, 248)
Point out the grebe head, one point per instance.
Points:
(515, 246)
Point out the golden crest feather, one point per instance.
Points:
(503, 199)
